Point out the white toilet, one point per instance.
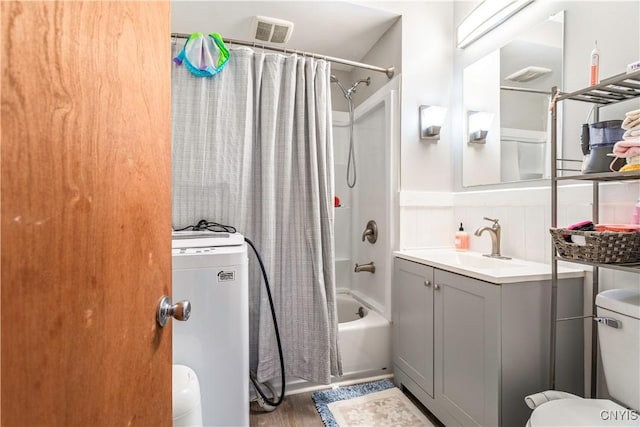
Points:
(187, 409)
(619, 338)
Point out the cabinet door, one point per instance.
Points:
(413, 322)
(467, 348)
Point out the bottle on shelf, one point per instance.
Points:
(594, 72)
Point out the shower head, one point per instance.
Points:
(347, 92)
(335, 80)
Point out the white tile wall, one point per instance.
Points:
(343, 214)
(431, 219)
(340, 156)
(425, 219)
(343, 232)
(424, 227)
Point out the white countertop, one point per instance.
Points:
(474, 264)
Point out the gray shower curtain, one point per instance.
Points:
(252, 148)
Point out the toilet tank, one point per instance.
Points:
(620, 347)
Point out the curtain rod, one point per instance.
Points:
(524, 89)
(388, 71)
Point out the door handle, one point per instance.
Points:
(427, 283)
(436, 287)
(179, 311)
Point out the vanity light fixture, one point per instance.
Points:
(479, 123)
(485, 17)
(431, 119)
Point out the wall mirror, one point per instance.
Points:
(513, 85)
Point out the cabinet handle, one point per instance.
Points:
(427, 283)
(436, 287)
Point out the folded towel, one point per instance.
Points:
(631, 141)
(631, 123)
(535, 400)
(632, 116)
(630, 133)
(629, 168)
(628, 152)
(634, 160)
(627, 148)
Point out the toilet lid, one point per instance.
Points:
(583, 412)
(185, 390)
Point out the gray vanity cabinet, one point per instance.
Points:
(467, 348)
(471, 350)
(413, 322)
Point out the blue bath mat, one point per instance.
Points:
(323, 398)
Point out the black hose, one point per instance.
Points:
(277, 333)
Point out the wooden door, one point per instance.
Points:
(86, 218)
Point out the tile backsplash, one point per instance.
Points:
(431, 219)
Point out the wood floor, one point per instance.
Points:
(298, 410)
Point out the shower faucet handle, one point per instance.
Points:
(370, 232)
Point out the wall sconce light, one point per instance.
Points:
(431, 119)
(479, 124)
(485, 17)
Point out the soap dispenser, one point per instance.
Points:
(462, 239)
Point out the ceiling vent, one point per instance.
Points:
(272, 30)
(527, 74)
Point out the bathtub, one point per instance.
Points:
(365, 347)
(364, 338)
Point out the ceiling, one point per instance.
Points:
(345, 30)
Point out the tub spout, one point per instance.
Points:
(365, 267)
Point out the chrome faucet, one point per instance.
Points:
(369, 267)
(494, 232)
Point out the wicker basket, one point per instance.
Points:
(604, 247)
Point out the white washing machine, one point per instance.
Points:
(210, 271)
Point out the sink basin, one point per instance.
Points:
(493, 270)
(473, 260)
